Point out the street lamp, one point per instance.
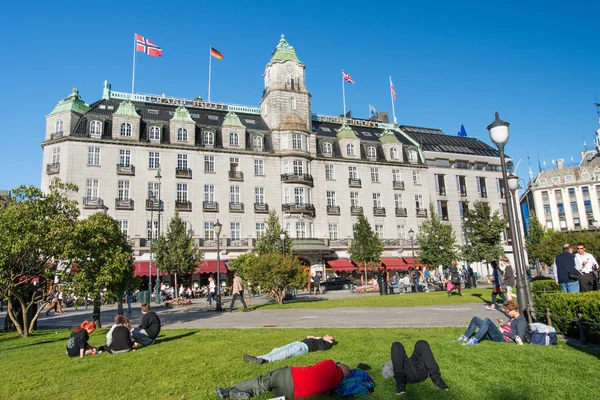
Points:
(151, 195)
(411, 234)
(282, 237)
(218, 226)
(499, 135)
(157, 294)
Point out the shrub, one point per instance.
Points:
(567, 305)
(177, 302)
(544, 285)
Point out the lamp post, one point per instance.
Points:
(151, 195)
(411, 234)
(282, 237)
(499, 135)
(158, 294)
(218, 226)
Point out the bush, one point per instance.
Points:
(545, 285)
(567, 305)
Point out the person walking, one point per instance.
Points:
(454, 279)
(586, 264)
(497, 285)
(317, 282)
(565, 273)
(238, 291)
(211, 290)
(309, 344)
(509, 278)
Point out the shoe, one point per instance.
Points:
(463, 338)
(136, 345)
(246, 310)
(252, 359)
(238, 394)
(490, 307)
(439, 382)
(472, 342)
(400, 389)
(223, 393)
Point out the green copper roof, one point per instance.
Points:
(71, 103)
(231, 119)
(182, 115)
(126, 109)
(388, 136)
(346, 132)
(284, 52)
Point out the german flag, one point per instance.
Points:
(215, 53)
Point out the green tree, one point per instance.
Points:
(100, 261)
(175, 250)
(270, 239)
(484, 234)
(366, 246)
(35, 228)
(437, 241)
(535, 236)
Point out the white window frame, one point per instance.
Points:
(329, 172)
(153, 159)
(123, 190)
(331, 198)
(209, 138)
(417, 178)
(419, 202)
(380, 231)
(327, 149)
(354, 199)
(394, 153)
(182, 135)
(371, 152)
(95, 128)
(259, 167)
(209, 163)
(260, 229)
(333, 231)
(209, 230)
(236, 230)
(234, 139)
(154, 133)
(126, 129)
(298, 167)
(300, 230)
(259, 195)
(125, 157)
(350, 151)
(92, 188)
(377, 200)
(153, 187)
(352, 173)
(182, 161)
(55, 155)
(375, 175)
(296, 141)
(299, 196)
(93, 156)
(124, 228)
(234, 194)
(182, 192)
(58, 126)
(209, 193)
(396, 175)
(152, 229)
(257, 143)
(398, 200)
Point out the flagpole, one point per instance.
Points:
(344, 94)
(133, 73)
(369, 113)
(209, 70)
(392, 97)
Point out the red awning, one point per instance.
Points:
(411, 262)
(210, 267)
(359, 264)
(341, 265)
(395, 263)
(142, 268)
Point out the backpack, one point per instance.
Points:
(357, 383)
(540, 334)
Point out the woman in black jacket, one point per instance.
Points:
(509, 278)
(118, 339)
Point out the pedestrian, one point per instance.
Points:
(509, 278)
(211, 290)
(406, 282)
(586, 264)
(307, 345)
(316, 281)
(77, 345)
(118, 338)
(238, 291)
(148, 330)
(497, 285)
(565, 273)
(503, 333)
(129, 297)
(472, 278)
(454, 279)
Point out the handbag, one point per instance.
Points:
(574, 276)
(498, 289)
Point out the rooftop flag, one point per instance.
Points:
(393, 90)
(144, 45)
(463, 132)
(216, 54)
(373, 110)
(347, 77)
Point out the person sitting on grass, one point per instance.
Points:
(290, 382)
(148, 329)
(118, 339)
(78, 341)
(504, 332)
(416, 368)
(309, 344)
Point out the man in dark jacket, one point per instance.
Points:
(565, 273)
(148, 329)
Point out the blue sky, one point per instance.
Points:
(538, 64)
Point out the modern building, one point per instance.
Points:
(134, 156)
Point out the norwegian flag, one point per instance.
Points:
(392, 89)
(146, 46)
(347, 77)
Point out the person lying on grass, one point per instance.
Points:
(290, 382)
(309, 344)
(512, 331)
(78, 341)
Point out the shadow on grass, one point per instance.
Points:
(591, 349)
(21, 346)
(480, 296)
(170, 338)
(304, 300)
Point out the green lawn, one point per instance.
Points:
(470, 296)
(189, 364)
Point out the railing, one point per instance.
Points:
(354, 182)
(401, 212)
(338, 243)
(124, 204)
(56, 135)
(398, 185)
(236, 176)
(207, 243)
(183, 173)
(392, 242)
(333, 210)
(580, 324)
(372, 158)
(463, 191)
(183, 205)
(379, 211)
(93, 202)
(297, 178)
(422, 212)
(210, 206)
(238, 242)
(125, 169)
(154, 205)
(261, 208)
(258, 149)
(236, 207)
(299, 208)
(483, 193)
(356, 210)
(53, 168)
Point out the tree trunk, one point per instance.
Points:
(366, 278)
(176, 294)
(96, 312)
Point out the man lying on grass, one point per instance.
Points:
(311, 343)
(512, 331)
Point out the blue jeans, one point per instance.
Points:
(487, 330)
(289, 350)
(141, 337)
(570, 287)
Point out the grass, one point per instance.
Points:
(470, 296)
(189, 364)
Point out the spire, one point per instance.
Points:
(73, 103)
(284, 52)
(346, 132)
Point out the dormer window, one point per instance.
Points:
(58, 127)
(182, 135)
(95, 128)
(412, 156)
(154, 134)
(371, 153)
(350, 150)
(393, 153)
(126, 129)
(234, 139)
(209, 139)
(257, 143)
(327, 149)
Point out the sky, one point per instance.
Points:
(452, 63)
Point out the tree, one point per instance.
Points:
(436, 240)
(100, 261)
(270, 240)
(35, 228)
(366, 246)
(484, 234)
(535, 236)
(175, 250)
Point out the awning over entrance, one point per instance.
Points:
(341, 265)
(310, 246)
(142, 268)
(395, 263)
(411, 262)
(210, 267)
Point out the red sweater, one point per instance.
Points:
(316, 379)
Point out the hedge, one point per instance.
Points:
(567, 305)
(547, 285)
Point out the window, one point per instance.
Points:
(555, 179)
(58, 127)
(547, 210)
(125, 158)
(95, 128)
(379, 231)
(209, 230)
(154, 134)
(209, 163)
(234, 139)
(354, 202)
(371, 152)
(298, 195)
(293, 103)
(327, 149)
(300, 230)
(350, 150)
(329, 173)
(330, 198)
(182, 161)
(443, 210)
(182, 192)
(463, 208)
(352, 173)
(153, 190)
(377, 200)
(182, 135)
(574, 207)
(93, 156)
(394, 153)
(333, 231)
(209, 139)
(234, 194)
(91, 188)
(209, 193)
(296, 141)
(152, 229)
(257, 143)
(412, 156)
(55, 155)
(153, 159)
(396, 175)
(126, 129)
(401, 229)
(481, 187)
(543, 181)
(440, 184)
(124, 228)
(260, 229)
(462, 165)
(500, 187)
(259, 167)
(298, 167)
(419, 202)
(461, 185)
(417, 177)
(398, 202)
(259, 195)
(375, 175)
(571, 193)
(236, 231)
(123, 190)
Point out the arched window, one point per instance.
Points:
(394, 153)
(95, 128)
(350, 150)
(327, 148)
(371, 153)
(182, 135)
(234, 139)
(154, 133)
(125, 129)
(209, 139)
(258, 143)
(58, 127)
(412, 155)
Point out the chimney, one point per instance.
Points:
(560, 163)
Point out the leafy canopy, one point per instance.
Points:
(436, 240)
(270, 240)
(484, 233)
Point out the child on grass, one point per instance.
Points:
(118, 339)
(78, 341)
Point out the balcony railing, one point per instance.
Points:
(183, 205)
(53, 168)
(356, 210)
(154, 205)
(354, 182)
(379, 211)
(93, 202)
(236, 207)
(392, 242)
(401, 212)
(125, 169)
(398, 185)
(463, 191)
(207, 243)
(56, 135)
(259, 149)
(308, 209)
(422, 212)
(236, 176)
(183, 173)
(239, 242)
(210, 206)
(338, 243)
(123, 204)
(333, 210)
(297, 178)
(261, 208)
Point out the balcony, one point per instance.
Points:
(258, 148)
(56, 135)
(463, 191)
(236, 207)
(239, 242)
(93, 202)
(207, 243)
(154, 205)
(354, 182)
(392, 242)
(338, 243)
(183, 205)
(401, 212)
(261, 208)
(210, 206)
(356, 210)
(53, 168)
(333, 210)
(422, 212)
(183, 173)
(379, 211)
(297, 178)
(236, 176)
(307, 209)
(123, 204)
(398, 185)
(125, 169)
